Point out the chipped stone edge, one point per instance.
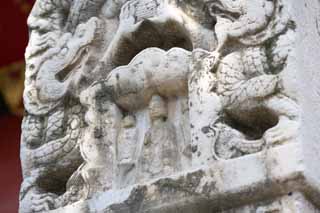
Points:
(272, 172)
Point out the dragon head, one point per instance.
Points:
(230, 9)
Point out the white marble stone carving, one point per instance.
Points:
(160, 156)
(171, 106)
(126, 149)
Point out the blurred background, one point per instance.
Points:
(14, 38)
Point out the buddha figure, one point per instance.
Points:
(160, 155)
(126, 149)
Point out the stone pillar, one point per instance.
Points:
(107, 125)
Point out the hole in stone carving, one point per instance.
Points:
(253, 124)
(55, 179)
(149, 34)
(74, 65)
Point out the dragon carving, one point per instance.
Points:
(80, 84)
(61, 49)
(254, 40)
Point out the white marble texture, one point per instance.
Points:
(171, 106)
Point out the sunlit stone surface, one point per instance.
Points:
(168, 106)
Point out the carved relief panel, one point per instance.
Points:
(120, 93)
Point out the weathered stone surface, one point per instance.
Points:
(171, 106)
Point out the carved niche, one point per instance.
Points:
(123, 92)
